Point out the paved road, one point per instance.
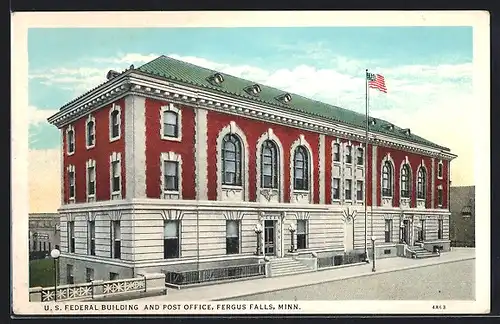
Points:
(449, 281)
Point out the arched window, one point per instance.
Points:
(90, 133)
(115, 124)
(231, 160)
(170, 124)
(269, 165)
(421, 183)
(405, 181)
(301, 169)
(71, 141)
(387, 179)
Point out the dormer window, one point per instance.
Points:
(253, 89)
(285, 98)
(407, 131)
(216, 78)
(373, 121)
(390, 127)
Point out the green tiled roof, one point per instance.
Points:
(190, 74)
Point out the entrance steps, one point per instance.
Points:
(287, 266)
(421, 253)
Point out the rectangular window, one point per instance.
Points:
(348, 189)
(348, 154)
(44, 246)
(71, 179)
(89, 274)
(388, 230)
(39, 245)
(360, 156)
(115, 124)
(440, 229)
(115, 240)
(71, 236)
(170, 128)
(71, 142)
(91, 181)
(232, 237)
(70, 279)
(115, 169)
(170, 169)
(301, 234)
(440, 170)
(90, 133)
(359, 190)
(50, 247)
(171, 240)
(336, 152)
(91, 237)
(440, 197)
(113, 276)
(336, 188)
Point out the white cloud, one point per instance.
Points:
(37, 116)
(433, 100)
(44, 180)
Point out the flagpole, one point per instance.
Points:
(367, 258)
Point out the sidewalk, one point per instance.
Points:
(256, 286)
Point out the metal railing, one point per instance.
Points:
(89, 290)
(215, 274)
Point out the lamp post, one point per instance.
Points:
(291, 228)
(373, 253)
(55, 253)
(258, 230)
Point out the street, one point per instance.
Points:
(447, 281)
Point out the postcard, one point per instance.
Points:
(181, 163)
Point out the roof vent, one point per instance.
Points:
(112, 74)
(216, 78)
(286, 98)
(253, 89)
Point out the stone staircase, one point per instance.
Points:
(287, 266)
(421, 253)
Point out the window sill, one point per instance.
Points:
(90, 147)
(301, 191)
(336, 200)
(70, 153)
(91, 198)
(114, 139)
(232, 187)
(172, 139)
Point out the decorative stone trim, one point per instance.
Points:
(91, 163)
(226, 192)
(233, 215)
(387, 201)
(90, 119)
(165, 90)
(270, 194)
(333, 165)
(90, 216)
(200, 153)
(404, 202)
(321, 168)
(115, 157)
(71, 168)
(174, 157)
(301, 196)
(118, 109)
(301, 215)
(348, 215)
(72, 129)
(171, 107)
(172, 214)
(421, 202)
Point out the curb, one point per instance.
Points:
(347, 277)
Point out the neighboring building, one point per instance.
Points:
(44, 232)
(463, 216)
(171, 166)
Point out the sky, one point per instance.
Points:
(428, 73)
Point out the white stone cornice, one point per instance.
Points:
(164, 90)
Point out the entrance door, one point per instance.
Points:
(269, 237)
(406, 231)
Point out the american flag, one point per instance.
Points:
(376, 81)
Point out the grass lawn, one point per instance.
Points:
(42, 273)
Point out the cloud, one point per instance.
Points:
(433, 100)
(44, 180)
(37, 116)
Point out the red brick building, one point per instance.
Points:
(170, 165)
